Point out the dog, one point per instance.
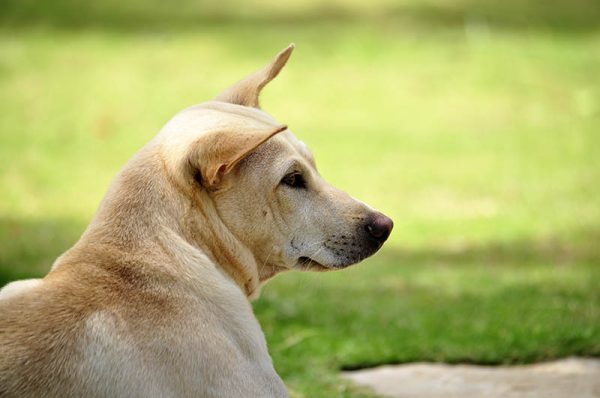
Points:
(154, 299)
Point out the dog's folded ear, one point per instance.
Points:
(217, 152)
(246, 91)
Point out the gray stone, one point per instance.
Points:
(567, 378)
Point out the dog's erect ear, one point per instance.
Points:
(246, 91)
(219, 151)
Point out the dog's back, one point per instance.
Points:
(108, 328)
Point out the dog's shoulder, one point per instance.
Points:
(38, 332)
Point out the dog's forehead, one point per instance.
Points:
(286, 145)
(278, 152)
(281, 145)
(196, 120)
(300, 147)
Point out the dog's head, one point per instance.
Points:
(263, 183)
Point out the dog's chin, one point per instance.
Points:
(308, 264)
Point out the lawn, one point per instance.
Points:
(475, 125)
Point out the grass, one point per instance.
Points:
(474, 125)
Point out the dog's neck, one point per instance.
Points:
(206, 230)
(144, 201)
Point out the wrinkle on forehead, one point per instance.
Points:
(279, 149)
(300, 147)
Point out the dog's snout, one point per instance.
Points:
(379, 227)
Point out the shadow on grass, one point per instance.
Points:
(551, 15)
(28, 248)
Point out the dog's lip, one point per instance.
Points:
(308, 264)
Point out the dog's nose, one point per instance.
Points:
(379, 227)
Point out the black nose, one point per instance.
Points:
(379, 227)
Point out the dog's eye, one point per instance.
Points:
(294, 180)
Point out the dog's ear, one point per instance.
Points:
(246, 91)
(219, 151)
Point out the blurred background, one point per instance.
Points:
(474, 124)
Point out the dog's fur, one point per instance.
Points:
(153, 300)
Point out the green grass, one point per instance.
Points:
(473, 124)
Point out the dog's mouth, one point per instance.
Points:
(305, 263)
(308, 264)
